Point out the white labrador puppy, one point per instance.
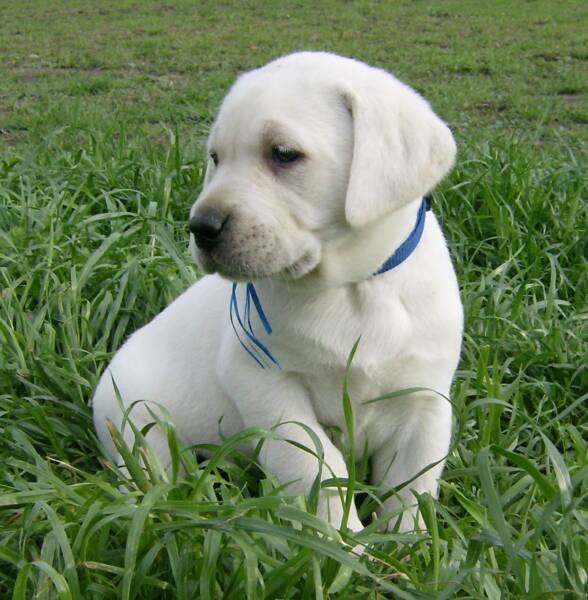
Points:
(317, 170)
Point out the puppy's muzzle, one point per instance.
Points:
(207, 226)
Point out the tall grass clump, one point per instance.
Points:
(93, 244)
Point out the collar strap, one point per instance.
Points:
(258, 351)
(410, 243)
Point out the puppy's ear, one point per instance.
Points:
(401, 148)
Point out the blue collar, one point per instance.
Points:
(410, 243)
(258, 351)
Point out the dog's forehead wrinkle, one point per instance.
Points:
(275, 130)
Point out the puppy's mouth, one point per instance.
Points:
(305, 264)
(240, 266)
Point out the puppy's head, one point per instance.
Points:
(305, 152)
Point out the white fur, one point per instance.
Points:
(310, 234)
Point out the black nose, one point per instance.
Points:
(206, 227)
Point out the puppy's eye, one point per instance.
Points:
(214, 158)
(285, 155)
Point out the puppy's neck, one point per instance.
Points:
(361, 252)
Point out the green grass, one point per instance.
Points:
(102, 115)
(491, 69)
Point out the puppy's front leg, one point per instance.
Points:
(421, 441)
(276, 400)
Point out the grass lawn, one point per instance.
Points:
(103, 110)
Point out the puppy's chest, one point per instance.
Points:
(320, 331)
